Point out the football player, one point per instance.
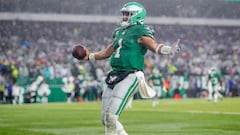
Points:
(131, 40)
(156, 81)
(214, 84)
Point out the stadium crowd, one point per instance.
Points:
(30, 49)
(172, 8)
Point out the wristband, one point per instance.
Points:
(158, 47)
(91, 57)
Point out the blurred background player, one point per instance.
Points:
(214, 84)
(156, 81)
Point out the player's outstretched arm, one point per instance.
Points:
(159, 48)
(106, 53)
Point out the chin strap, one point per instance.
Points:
(125, 24)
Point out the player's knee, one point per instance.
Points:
(111, 120)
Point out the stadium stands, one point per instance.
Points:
(173, 8)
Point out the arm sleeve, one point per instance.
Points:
(147, 31)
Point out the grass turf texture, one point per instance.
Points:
(170, 117)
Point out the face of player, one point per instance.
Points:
(125, 16)
(213, 71)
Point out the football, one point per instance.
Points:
(78, 52)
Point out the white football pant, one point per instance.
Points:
(114, 101)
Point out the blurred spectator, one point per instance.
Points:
(77, 89)
(234, 83)
(176, 93)
(25, 43)
(31, 92)
(2, 89)
(172, 8)
(17, 93)
(68, 88)
(44, 91)
(8, 94)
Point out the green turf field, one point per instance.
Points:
(170, 117)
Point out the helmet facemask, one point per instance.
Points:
(136, 14)
(213, 70)
(155, 71)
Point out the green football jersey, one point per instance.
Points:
(156, 80)
(214, 78)
(128, 55)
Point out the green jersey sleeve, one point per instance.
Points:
(145, 30)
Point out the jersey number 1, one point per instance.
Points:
(117, 55)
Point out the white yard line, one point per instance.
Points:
(189, 111)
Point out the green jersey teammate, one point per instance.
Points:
(130, 43)
(214, 84)
(156, 81)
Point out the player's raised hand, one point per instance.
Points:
(176, 47)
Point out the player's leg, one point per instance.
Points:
(159, 92)
(14, 101)
(116, 103)
(210, 92)
(17, 99)
(215, 94)
(69, 97)
(154, 98)
(120, 129)
(129, 104)
(106, 97)
(219, 94)
(107, 93)
(157, 96)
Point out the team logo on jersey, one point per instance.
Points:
(149, 29)
(112, 79)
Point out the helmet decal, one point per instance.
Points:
(131, 8)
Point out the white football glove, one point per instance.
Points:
(176, 48)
